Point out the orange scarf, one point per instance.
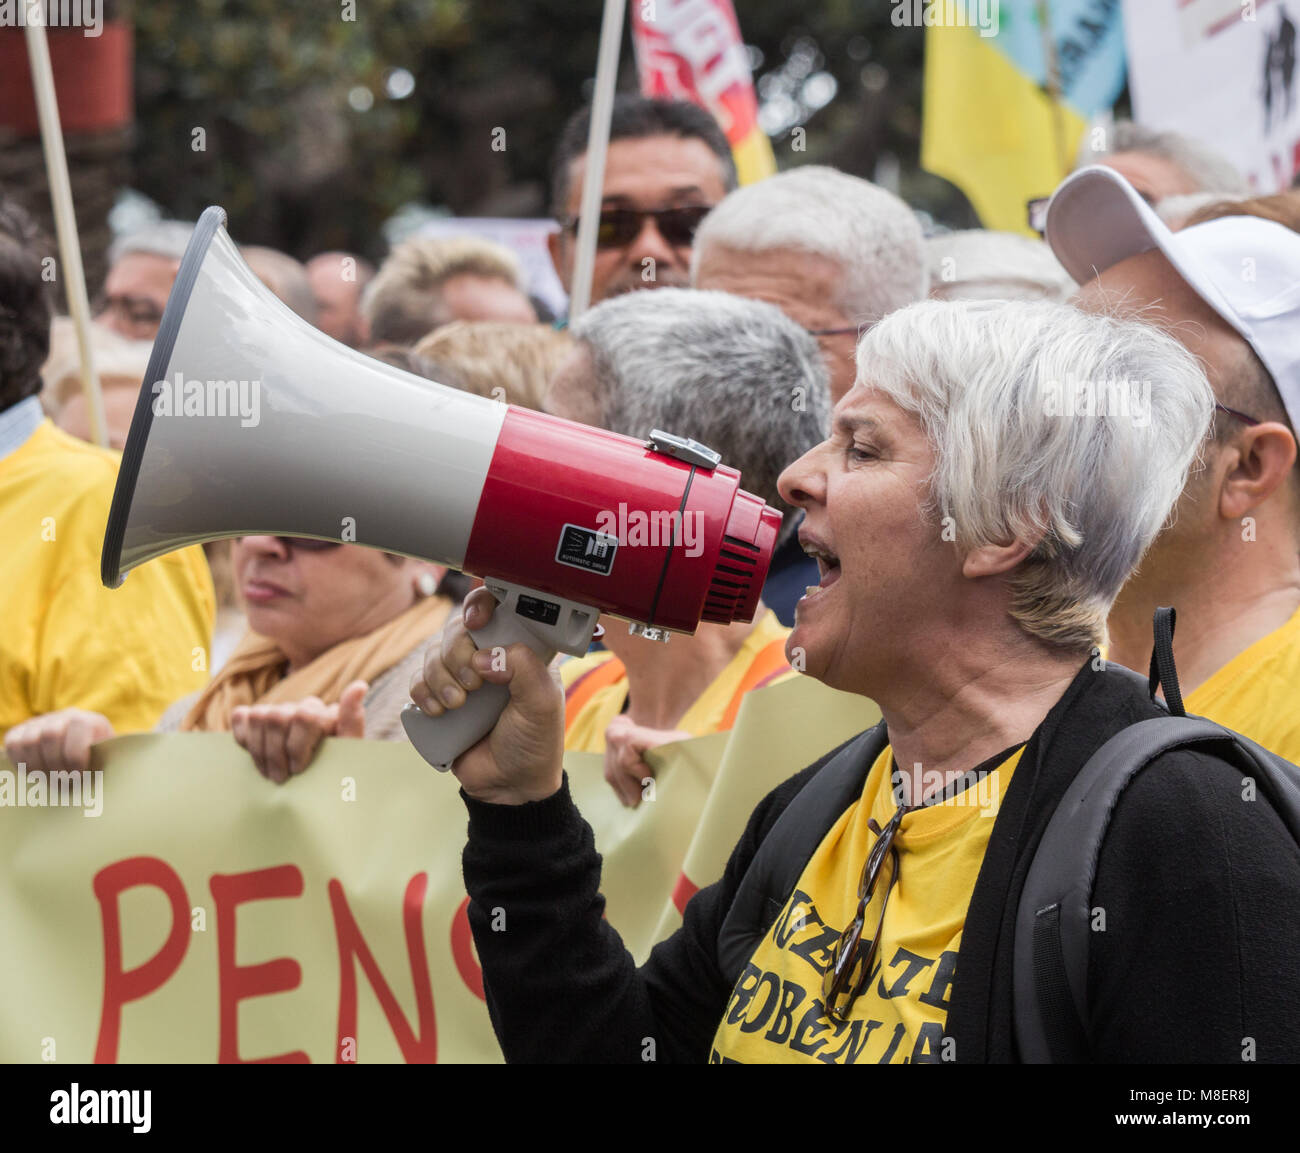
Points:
(255, 672)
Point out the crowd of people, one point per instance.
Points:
(995, 457)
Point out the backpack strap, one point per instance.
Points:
(1053, 919)
(1053, 930)
(788, 846)
(1163, 674)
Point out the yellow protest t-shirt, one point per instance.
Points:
(776, 1014)
(760, 660)
(1257, 693)
(66, 641)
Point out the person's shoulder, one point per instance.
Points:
(78, 477)
(83, 464)
(388, 694)
(1196, 808)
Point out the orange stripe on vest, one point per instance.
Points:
(588, 685)
(769, 662)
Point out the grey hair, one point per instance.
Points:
(1208, 169)
(871, 233)
(999, 391)
(167, 238)
(733, 373)
(983, 265)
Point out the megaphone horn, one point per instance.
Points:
(251, 421)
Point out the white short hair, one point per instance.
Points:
(982, 265)
(165, 238)
(1048, 425)
(871, 233)
(1207, 168)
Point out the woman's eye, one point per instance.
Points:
(858, 452)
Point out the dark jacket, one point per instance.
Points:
(1197, 962)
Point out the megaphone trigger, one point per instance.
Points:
(547, 624)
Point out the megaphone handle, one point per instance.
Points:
(440, 740)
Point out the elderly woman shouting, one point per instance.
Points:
(335, 633)
(973, 520)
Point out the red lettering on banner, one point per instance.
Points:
(122, 986)
(462, 951)
(415, 1049)
(235, 982)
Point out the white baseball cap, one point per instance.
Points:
(1245, 268)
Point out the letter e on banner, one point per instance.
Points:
(237, 982)
(121, 987)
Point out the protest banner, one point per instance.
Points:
(181, 908)
(1222, 72)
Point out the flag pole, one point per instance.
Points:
(65, 220)
(1054, 88)
(593, 182)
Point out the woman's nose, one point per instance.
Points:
(266, 545)
(802, 483)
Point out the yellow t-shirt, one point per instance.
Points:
(585, 730)
(776, 1014)
(65, 640)
(1257, 693)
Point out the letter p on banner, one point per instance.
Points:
(121, 986)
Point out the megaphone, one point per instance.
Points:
(250, 421)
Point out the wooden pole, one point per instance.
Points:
(1054, 88)
(65, 221)
(593, 183)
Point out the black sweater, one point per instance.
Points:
(1199, 959)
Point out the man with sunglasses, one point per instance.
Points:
(668, 163)
(1228, 287)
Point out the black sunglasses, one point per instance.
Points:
(1241, 416)
(851, 957)
(304, 543)
(620, 226)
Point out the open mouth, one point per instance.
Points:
(828, 566)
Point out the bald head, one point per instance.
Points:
(337, 280)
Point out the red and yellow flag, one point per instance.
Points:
(692, 50)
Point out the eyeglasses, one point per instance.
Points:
(850, 965)
(620, 226)
(1239, 415)
(304, 543)
(843, 330)
(137, 311)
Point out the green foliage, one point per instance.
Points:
(299, 167)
